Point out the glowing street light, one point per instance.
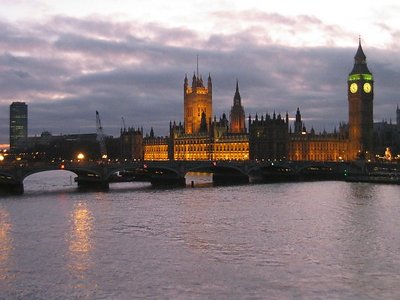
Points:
(1, 157)
(80, 156)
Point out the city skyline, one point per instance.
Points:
(67, 63)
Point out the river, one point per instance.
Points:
(314, 240)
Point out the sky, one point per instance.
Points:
(128, 59)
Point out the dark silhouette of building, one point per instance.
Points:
(386, 136)
(59, 147)
(360, 97)
(18, 127)
(268, 137)
(132, 144)
(298, 123)
(237, 117)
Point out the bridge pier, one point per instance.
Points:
(174, 181)
(229, 179)
(92, 184)
(12, 188)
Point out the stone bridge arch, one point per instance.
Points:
(135, 170)
(165, 175)
(38, 171)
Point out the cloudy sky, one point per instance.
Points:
(128, 58)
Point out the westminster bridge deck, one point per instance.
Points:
(100, 175)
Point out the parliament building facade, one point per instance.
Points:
(267, 137)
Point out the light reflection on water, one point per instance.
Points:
(80, 241)
(5, 244)
(304, 240)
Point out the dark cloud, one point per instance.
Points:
(67, 68)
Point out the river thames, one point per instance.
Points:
(314, 240)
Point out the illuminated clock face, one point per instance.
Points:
(367, 87)
(353, 87)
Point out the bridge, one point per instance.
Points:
(99, 175)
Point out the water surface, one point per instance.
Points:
(293, 241)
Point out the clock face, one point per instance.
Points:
(353, 87)
(367, 87)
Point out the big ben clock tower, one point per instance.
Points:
(360, 89)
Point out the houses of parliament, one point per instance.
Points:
(267, 137)
(203, 136)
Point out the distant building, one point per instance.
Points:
(18, 127)
(68, 146)
(132, 144)
(304, 145)
(268, 137)
(386, 135)
(155, 148)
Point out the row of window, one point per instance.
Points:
(220, 148)
(214, 156)
(313, 147)
(320, 157)
(156, 152)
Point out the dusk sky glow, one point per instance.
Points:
(67, 59)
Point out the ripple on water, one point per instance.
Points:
(298, 240)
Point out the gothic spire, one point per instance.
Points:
(360, 61)
(237, 99)
(360, 57)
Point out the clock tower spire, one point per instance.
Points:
(360, 98)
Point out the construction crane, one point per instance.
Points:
(100, 137)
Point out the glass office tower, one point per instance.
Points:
(18, 127)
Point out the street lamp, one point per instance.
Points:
(80, 156)
(1, 157)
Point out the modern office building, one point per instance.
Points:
(18, 127)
